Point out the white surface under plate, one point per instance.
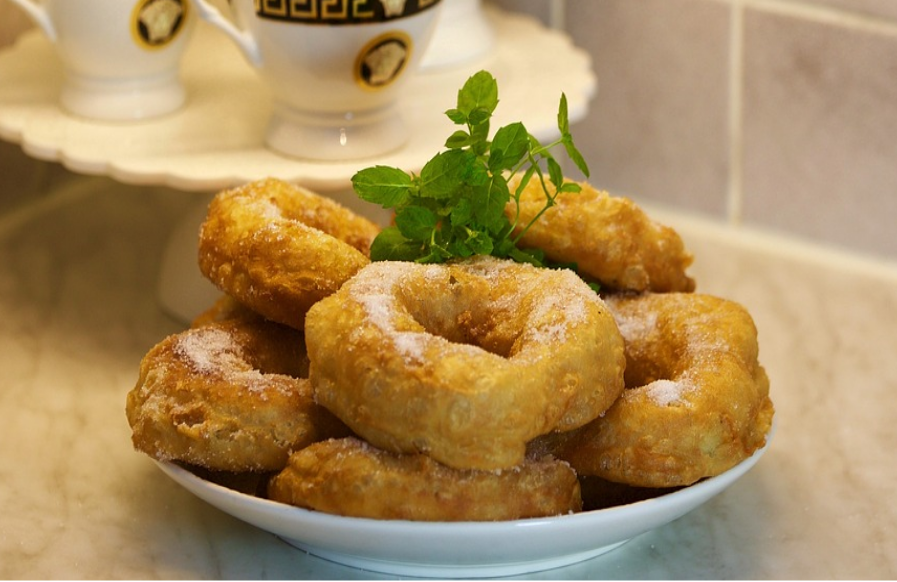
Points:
(217, 139)
(463, 549)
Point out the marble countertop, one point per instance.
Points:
(79, 268)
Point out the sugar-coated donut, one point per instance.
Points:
(610, 239)
(229, 395)
(350, 477)
(279, 248)
(696, 401)
(226, 308)
(463, 361)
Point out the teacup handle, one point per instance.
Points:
(242, 38)
(40, 17)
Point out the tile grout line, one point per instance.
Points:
(557, 17)
(735, 186)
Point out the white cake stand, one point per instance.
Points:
(216, 140)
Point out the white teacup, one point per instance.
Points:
(121, 58)
(336, 69)
(463, 35)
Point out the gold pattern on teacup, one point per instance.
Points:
(156, 23)
(383, 60)
(340, 11)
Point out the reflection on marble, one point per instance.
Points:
(78, 276)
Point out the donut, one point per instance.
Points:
(230, 395)
(351, 478)
(464, 361)
(225, 308)
(696, 401)
(598, 493)
(610, 239)
(278, 248)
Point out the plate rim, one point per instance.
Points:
(550, 542)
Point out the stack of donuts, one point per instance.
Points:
(475, 390)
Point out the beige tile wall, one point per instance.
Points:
(776, 114)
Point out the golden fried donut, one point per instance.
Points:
(230, 395)
(463, 361)
(610, 239)
(351, 478)
(278, 248)
(226, 308)
(598, 493)
(697, 400)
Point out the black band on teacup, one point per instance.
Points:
(340, 11)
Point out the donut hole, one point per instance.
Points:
(654, 350)
(468, 328)
(458, 309)
(643, 373)
(290, 361)
(323, 216)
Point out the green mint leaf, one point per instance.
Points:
(389, 187)
(435, 253)
(473, 243)
(567, 138)
(391, 245)
(575, 155)
(555, 173)
(531, 256)
(476, 174)
(494, 197)
(457, 116)
(563, 116)
(509, 146)
(479, 116)
(460, 249)
(458, 140)
(479, 138)
(416, 223)
(441, 176)
(524, 180)
(462, 213)
(478, 98)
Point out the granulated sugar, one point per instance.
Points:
(212, 352)
(566, 296)
(206, 350)
(558, 299)
(637, 325)
(667, 392)
(377, 296)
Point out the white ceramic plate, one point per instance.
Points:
(459, 550)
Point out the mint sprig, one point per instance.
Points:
(455, 207)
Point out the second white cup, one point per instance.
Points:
(336, 69)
